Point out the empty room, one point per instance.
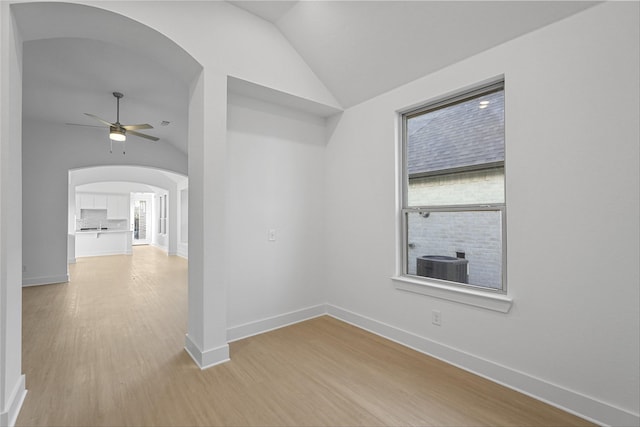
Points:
(320, 213)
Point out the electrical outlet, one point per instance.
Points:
(436, 318)
(271, 235)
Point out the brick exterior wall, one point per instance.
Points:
(467, 188)
(477, 234)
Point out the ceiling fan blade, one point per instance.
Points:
(142, 135)
(136, 127)
(99, 119)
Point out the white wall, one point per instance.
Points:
(572, 220)
(276, 181)
(49, 152)
(559, 174)
(12, 382)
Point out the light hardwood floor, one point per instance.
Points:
(107, 349)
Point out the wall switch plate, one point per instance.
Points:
(271, 235)
(436, 318)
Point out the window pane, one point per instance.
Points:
(455, 154)
(464, 247)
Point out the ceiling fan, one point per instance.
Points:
(118, 131)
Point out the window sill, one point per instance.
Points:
(494, 302)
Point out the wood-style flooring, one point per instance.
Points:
(106, 349)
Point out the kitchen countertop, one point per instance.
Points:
(112, 230)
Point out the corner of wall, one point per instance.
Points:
(209, 358)
(14, 404)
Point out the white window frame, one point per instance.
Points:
(479, 296)
(162, 214)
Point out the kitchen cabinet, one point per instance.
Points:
(99, 201)
(78, 206)
(91, 201)
(118, 206)
(85, 201)
(99, 243)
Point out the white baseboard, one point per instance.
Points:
(15, 404)
(246, 330)
(161, 247)
(46, 280)
(104, 253)
(184, 253)
(212, 357)
(567, 400)
(206, 358)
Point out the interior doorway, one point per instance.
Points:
(141, 217)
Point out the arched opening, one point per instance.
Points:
(51, 149)
(145, 205)
(65, 77)
(52, 22)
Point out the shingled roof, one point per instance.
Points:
(457, 136)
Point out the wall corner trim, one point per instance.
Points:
(14, 404)
(261, 326)
(570, 401)
(207, 358)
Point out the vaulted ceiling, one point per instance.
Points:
(358, 49)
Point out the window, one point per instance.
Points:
(453, 212)
(162, 214)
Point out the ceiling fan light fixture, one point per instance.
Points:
(116, 134)
(117, 131)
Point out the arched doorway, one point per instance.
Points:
(91, 23)
(164, 194)
(206, 339)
